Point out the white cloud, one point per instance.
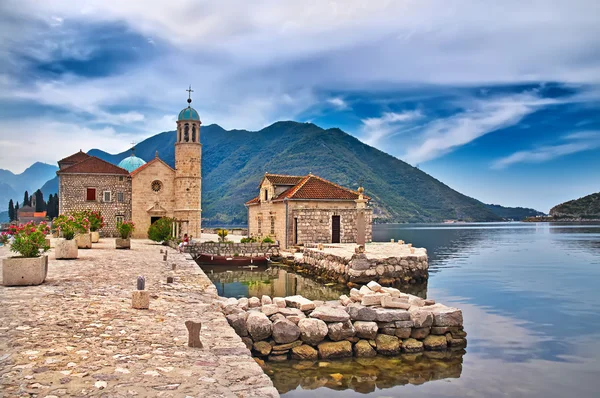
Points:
(572, 143)
(338, 102)
(374, 129)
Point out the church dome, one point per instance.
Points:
(188, 113)
(131, 163)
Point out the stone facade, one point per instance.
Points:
(73, 191)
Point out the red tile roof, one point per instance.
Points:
(75, 158)
(254, 201)
(280, 179)
(142, 167)
(93, 165)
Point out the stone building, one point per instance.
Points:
(28, 214)
(89, 183)
(306, 209)
(139, 191)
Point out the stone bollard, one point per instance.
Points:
(320, 246)
(391, 240)
(161, 251)
(140, 298)
(194, 334)
(400, 242)
(169, 279)
(412, 250)
(165, 257)
(409, 245)
(173, 266)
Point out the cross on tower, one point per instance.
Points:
(190, 91)
(132, 147)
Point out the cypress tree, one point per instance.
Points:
(26, 199)
(11, 210)
(40, 205)
(16, 212)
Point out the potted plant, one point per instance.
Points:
(125, 229)
(66, 246)
(222, 235)
(83, 237)
(31, 267)
(96, 223)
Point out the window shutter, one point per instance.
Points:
(91, 194)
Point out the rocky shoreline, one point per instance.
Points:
(373, 320)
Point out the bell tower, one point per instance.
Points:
(188, 171)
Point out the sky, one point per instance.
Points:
(499, 100)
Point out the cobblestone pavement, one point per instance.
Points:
(77, 335)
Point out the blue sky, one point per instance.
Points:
(499, 100)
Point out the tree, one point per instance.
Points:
(16, 212)
(26, 199)
(160, 230)
(11, 211)
(40, 204)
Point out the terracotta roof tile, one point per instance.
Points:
(313, 187)
(280, 179)
(93, 165)
(253, 201)
(75, 158)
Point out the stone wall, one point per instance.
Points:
(231, 249)
(72, 197)
(373, 320)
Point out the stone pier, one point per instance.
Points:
(78, 335)
(386, 263)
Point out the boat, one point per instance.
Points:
(237, 260)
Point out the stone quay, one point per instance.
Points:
(78, 335)
(390, 264)
(373, 320)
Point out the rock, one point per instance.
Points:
(420, 333)
(416, 301)
(445, 316)
(305, 352)
(101, 385)
(276, 317)
(290, 311)
(285, 331)
(231, 301)
(299, 302)
(253, 302)
(366, 330)
(435, 343)
(388, 345)
(278, 358)
(345, 300)
(390, 315)
(429, 302)
(279, 301)
(248, 341)
(330, 314)
(259, 326)
(294, 318)
(388, 331)
(355, 295)
(362, 349)
(373, 298)
(364, 290)
(269, 309)
(232, 309)
(391, 291)
(457, 343)
(404, 324)
(374, 286)
(238, 323)
(288, 346)
(312, 331)
(421, 318)
(403, 333)
(262, 348)
(264, 300)
(390, 302)
(337, 349)
(411, 346)
(439, 330)
(359, 312)
(340, 330)
(243, 303)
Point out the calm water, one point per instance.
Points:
(530, 295)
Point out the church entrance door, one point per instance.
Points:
(154, 219)
(335, 229)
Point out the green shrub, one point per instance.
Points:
(29, 239)
(248, 240)
(125, 229)
(160, 230)
(268, 240)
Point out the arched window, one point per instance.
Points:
(186, 133)
(179, 134)
(193, 133)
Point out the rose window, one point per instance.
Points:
(156, 185)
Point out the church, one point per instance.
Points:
(139, 191)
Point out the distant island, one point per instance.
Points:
(582, 209)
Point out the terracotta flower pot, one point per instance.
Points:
(84, 241)
(95, 236)
(123, 243)
(24, 271)
(66, 249)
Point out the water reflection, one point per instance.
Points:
(363, 375)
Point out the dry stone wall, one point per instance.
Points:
(315, 225)
(372, 321)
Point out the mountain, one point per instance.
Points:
(4, 216)
(233, 163)
(514, 213)
(12, 186)
(50, 187)
(586, 208)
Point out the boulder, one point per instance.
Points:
(411, 346)
(340, 330)
(391, 291)
(445, 316)
(262, 348)
(390, 315)
(269, 309)
(345, 300)
(416, 301)
(279, 301)
(362, 349)
(364, 290)
(231, 309)
(243, 303)
(285, 331)
(404, 324)
(420, 333)
(294, 318)
(403, 333)
(359, 312)
(305, 352)
(264, 300)
(278, 358)
(390, 302)
(248, 342)
(312, 331)
(238, 323)
(276, 317)
(421, 318)
(355, 295)
(435, 343)
(337, 349)
(253, 302)
(388, 345)
(330, 314)
(374, 286)
(303, 304)
(259, 326)
(365, 330)
(286, 347)
(373, 298)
